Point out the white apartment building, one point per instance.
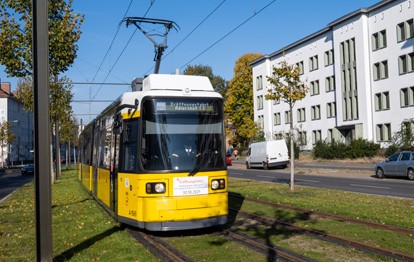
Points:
(21, 125)
(360, 72)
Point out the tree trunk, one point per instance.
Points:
(57, 150)
(74, 155)
(292, 152)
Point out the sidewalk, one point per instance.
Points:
(323, 168)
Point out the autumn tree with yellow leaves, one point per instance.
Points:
(238, 107)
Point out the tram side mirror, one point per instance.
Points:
(117, 124)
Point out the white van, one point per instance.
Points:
(268, 154)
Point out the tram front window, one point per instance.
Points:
(180, 135)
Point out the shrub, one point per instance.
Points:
(338, 150)
(391, 150)
(362, 148)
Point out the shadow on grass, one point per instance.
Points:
(267, 232)
(73, 203)
(68, 254)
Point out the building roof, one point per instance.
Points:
(324, 30)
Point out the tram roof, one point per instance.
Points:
(176, 82)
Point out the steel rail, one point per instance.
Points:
(402, 230)
(275, 252)
(158, 247)
(328, 237)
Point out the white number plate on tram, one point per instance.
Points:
(188, 186)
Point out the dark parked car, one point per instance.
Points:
(399, 164)
(28, 169)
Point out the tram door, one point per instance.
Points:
(114, 168)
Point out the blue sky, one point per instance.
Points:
(278, 25)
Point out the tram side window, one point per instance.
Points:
(129, 146)
(87, 147)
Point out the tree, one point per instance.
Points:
(6, 138)
(219, 84)
(239, 101)
(16, 48)
(68, 135)
(16, 36)
(287, 87)
(404, 138)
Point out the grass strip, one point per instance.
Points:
(81, 230)
(380, 209)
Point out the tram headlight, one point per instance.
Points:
(214, 184)
(218, 184)
(155, 188)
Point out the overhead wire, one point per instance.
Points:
(226, 35)
(192, 31)
(123, 50)
(113, 40)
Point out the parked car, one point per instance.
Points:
(399, 164)
(228, 160)
(28, 169)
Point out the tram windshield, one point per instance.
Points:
(182, 135)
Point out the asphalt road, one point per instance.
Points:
(12, 180)
(397, 187)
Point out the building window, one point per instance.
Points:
(406, 63)
(379, 40)
(383, 132)
(313, 63)
(287, 117)
(314, 87)
(407, 96)
(382, 101)
(316, 136)
(380, 70)
(259, 83)
(349, 78)
(330, 84)
(260, 121)
(302, 138)
(276, 101)
(329, 137)
(405, 30)
(300, 66)
(329, 58)
(260, 102)
(301, 115)
(276, 119)
(316, 112)
(330, 109)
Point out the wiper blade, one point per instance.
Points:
(199, 164)
(195, 170)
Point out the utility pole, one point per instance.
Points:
(159, 47)
(43, 192)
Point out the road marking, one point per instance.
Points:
(306, 180)
(265, 176)
(381, 187)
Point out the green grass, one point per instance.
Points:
(385, 210)
(390, 240)
(82, 231)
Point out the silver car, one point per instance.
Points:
(399, 164)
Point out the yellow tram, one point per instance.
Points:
(156, 156)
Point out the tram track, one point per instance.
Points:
(271, 251)
(158, 247)
(326, 237)
(397, 229)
